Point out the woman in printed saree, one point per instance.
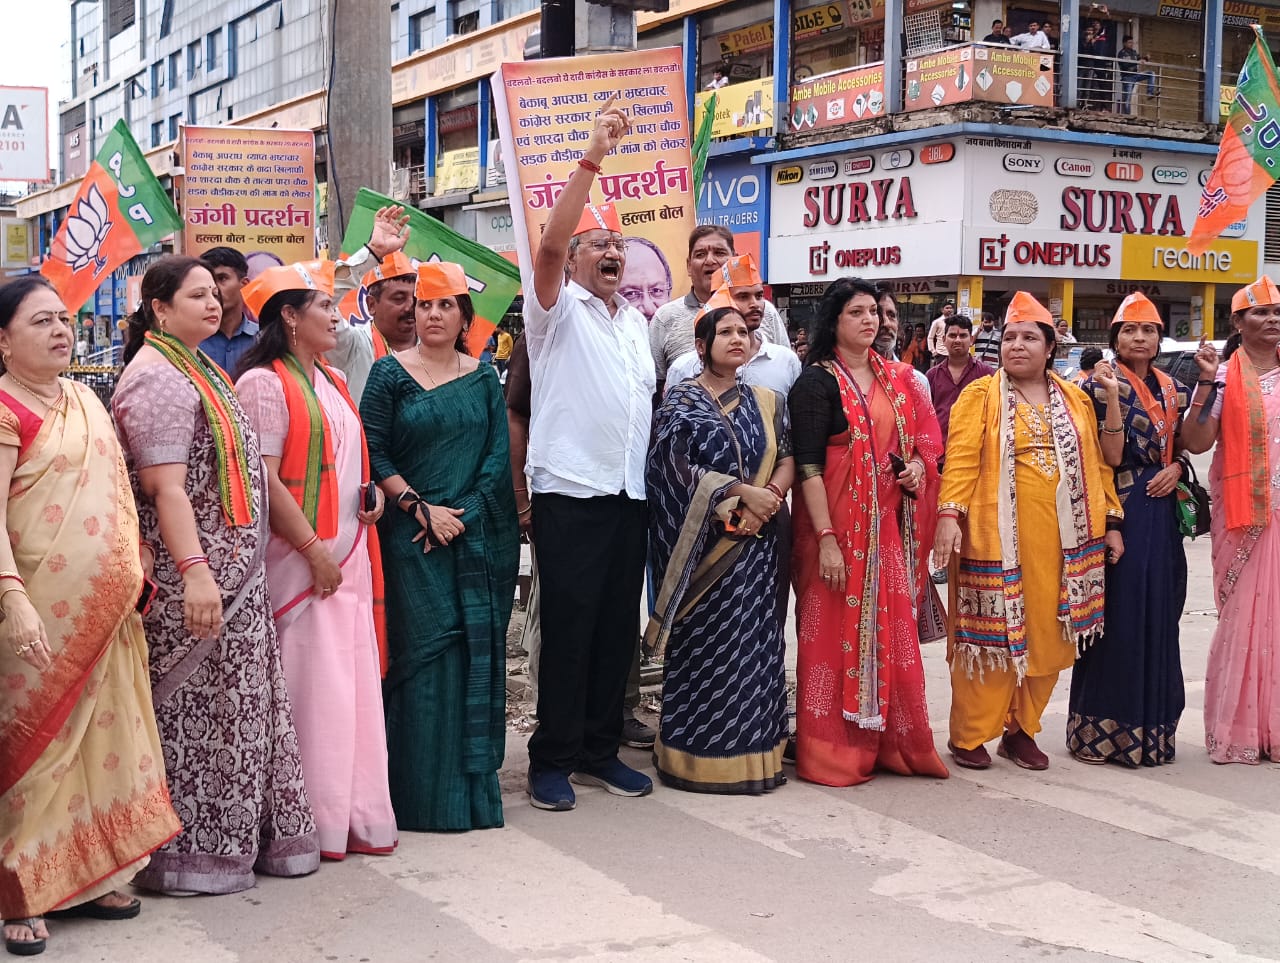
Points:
(1238, 406)
(324, 568)
(1126, 689)
(83, 800)
(720, 447)
(1025, 472)
(437, 430)
(866, 444)
(230, 749)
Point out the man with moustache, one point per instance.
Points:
(590, 419)
(238, 330)
(388, 277)
(671, 329)
(770, 365)
(886, 343)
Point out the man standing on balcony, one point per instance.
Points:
(1130, 77)
(671, 328)
(1033, 39)
(591, 413)
(997, 33)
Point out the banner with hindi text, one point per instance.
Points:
(546, 113)
(249, 188)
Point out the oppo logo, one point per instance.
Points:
(1024, 163)
(1170, 175)
(1073, 167)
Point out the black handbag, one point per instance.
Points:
(1193, 502)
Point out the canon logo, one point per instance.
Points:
(1024, 163)
(1073, 167)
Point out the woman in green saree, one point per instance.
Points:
(437, 431)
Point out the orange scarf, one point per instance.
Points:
(1164, 416)
(380, 347)
(307, 470)
(1246, 463)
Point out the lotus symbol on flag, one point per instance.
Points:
(87, 228)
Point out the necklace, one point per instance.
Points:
(423, 364)
(54, 404)
(728, 422)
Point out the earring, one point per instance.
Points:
(160, 321)
(293, 334)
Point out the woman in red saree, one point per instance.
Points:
(866, 444)
(83, 799)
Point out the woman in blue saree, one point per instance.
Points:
(1126, 689)
(719, 469)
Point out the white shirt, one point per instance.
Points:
(936, 341)
(772, 366)
(592, 403)
(671, 330)
(1032, 41)
(353, 354)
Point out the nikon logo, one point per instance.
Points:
(788, 175)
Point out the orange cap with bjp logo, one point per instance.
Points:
(1137, 309)
(316, 275)
(740, 271)
(599, 217)
(440, 279)
(394, 265)
(720, 298)
(1024, 307)
(1261, 291)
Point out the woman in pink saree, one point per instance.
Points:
(323, 561)
(1237, 405)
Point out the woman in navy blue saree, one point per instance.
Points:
(718, 472)
(1126, 689)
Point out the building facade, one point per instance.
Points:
(930, 155)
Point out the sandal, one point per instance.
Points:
(31, 947)
(93, 910)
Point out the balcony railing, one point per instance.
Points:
(1159, 92)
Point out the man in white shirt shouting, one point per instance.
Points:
(593, 383)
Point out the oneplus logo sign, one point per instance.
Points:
(991, 255)
(818, 258)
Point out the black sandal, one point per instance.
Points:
(31, 947)
(94, 910)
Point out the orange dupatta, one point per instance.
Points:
(1164, 416)
(307, 470)
(380, 347)
(1246, 463)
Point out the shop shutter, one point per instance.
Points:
(1271, 241)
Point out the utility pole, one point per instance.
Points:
(358, 98)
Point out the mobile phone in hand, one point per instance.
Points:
(899, 466)
(148, 595)
(369, 496)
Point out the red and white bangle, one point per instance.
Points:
(777, 491)
(827, 531)
(590, 165)
(190, 562)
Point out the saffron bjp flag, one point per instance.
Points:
(1249, 154)
(119, 211)
(494, 281)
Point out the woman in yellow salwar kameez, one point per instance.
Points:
(1025, 469)
(83, 798)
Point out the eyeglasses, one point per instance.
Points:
(603, 244)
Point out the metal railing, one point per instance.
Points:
(1159, 92)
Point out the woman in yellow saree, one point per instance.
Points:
(83, 798)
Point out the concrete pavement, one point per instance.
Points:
(1180, 863)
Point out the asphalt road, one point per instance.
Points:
(1180, 863)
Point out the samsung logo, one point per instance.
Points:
(823, 170)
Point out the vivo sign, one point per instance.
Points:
(733, 195)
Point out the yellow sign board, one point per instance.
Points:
(1150, 257)
(16, 243)
(815, 21)
(458, 170)
(740, 108)
(758, 36)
